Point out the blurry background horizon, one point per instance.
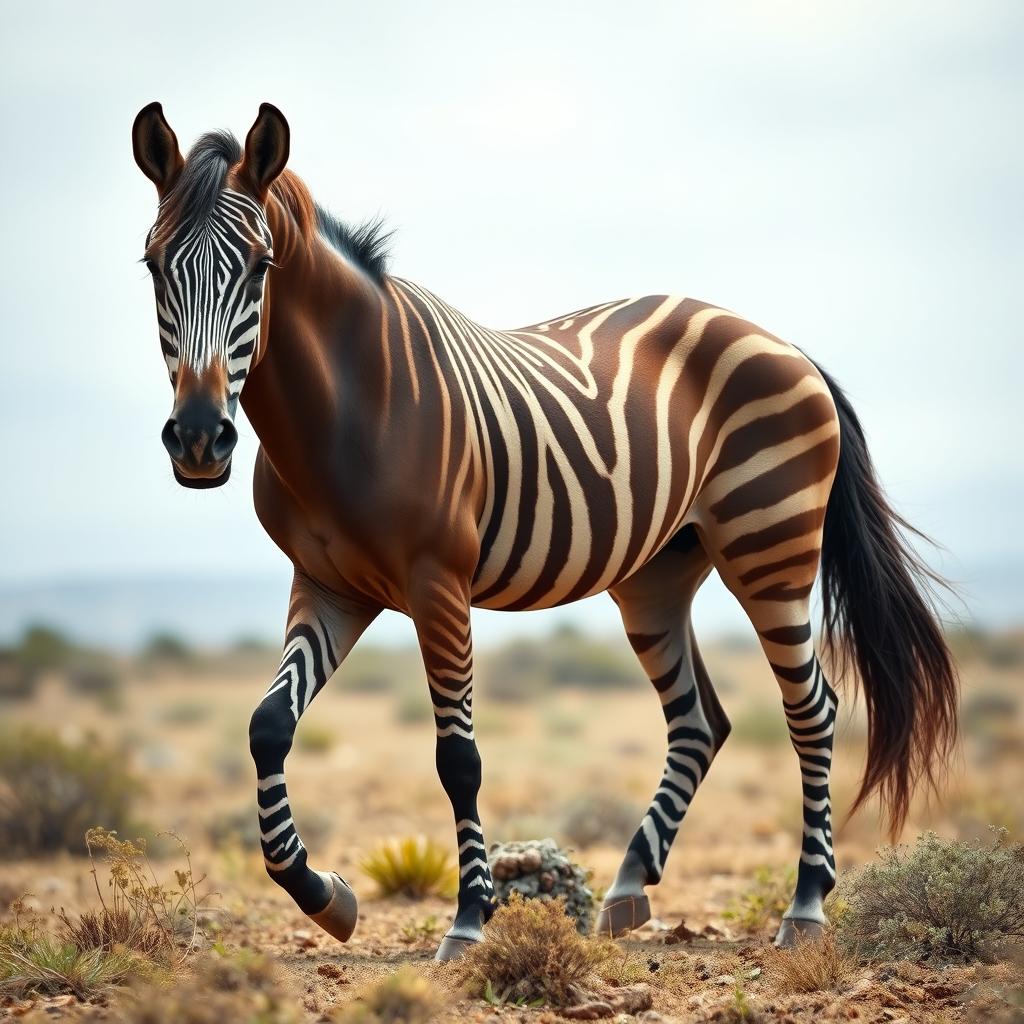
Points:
(847, 176)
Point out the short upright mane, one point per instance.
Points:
(202, 179)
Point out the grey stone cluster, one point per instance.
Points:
(538, 869)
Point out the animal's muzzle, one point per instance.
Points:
(200, 439)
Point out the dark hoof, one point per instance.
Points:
(796, 930)
(338, 918)
(622, 914)
(452, 947)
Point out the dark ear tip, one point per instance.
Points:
(269, 108)
(149, 110)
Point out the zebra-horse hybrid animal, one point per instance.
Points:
(411, 459)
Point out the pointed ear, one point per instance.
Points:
(156, 147)
(266, 149)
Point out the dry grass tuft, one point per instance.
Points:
(820, 965)
(413, 867)
(531, 953)
(139, 912)
(405, 997)
(216, 989)
(141, 929)
(33, 962)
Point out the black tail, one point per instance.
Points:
(879, 614)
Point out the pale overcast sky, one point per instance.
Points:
(847, 175)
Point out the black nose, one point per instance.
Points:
(199, 439)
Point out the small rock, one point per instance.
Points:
(724, 979)
(633, 998)
(547, 881)
(594, 1010)
(530, 860)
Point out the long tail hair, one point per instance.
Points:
(879, 615)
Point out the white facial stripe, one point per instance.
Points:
(206, 309)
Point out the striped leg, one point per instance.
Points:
(655, 608)
(774, 592)
(810, 705)
(442, 618)
(321, 632)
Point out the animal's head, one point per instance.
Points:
(209, 252)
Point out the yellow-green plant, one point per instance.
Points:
(405, 997)
(413, 867)
(764, 902)
(32, 961)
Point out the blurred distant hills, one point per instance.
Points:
(122, 613)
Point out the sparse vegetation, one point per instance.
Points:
(414, 867)
(139, 912)
(405, 997)
(422, 931)
(941, 898)
(52, 791)
(134, 933)
(521, 669)
(764, 902)
(311, 738)
(816, 965)
(167, 647)
(531, 951)
(216, 990)
(600, 817)
(34, 962)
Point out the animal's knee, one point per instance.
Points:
(270, 732)
(458, 765)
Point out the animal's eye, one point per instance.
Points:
(261, 268)
(151, 266)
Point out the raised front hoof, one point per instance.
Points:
(621, 914)
(339, 917)
(452, 947)
(794, 931)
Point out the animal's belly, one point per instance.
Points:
(560, 537)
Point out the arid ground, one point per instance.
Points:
(362, 771)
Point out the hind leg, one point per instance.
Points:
(655, 608)
(774, 592)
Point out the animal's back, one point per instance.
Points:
(613, 422)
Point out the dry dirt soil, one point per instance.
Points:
(183, 730)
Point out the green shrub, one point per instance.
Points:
(167, 647)
(761, 725)
(52, 791)
(600, 817)
(186, 712)
(412, 706)
(311, 738)
(16, 682)
(43, 649)
(946, 899)
(404, 997)
(94, 674)
(764, 902)
(413, 867)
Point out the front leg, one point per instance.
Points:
(440, 608)
(321, 631)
